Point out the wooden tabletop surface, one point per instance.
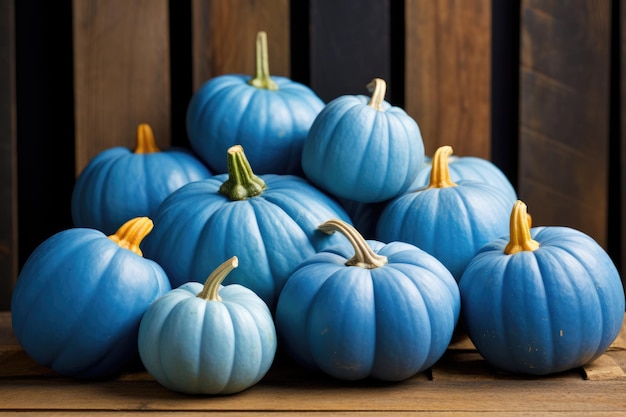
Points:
(460, 384)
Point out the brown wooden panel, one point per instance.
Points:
(448, 73)
(564, 114)
(121, 66)
(224, 36)
(8, 156)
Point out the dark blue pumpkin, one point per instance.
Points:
(451, 221)
(368, 309)
(80, 296)
(270, 221)
(543, 300)
(119, 184)
(363, 149)
(268, 116)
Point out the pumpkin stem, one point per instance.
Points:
(262, 77)
(242, 183)
(520, 239)
(131, 233)
(440, 171)
(364, 255)
(145, 140)
(210, 291)
(378, 88)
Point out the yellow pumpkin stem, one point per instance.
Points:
(378, 88)
(520, 238)
(440, 171)
(131, 233)
(210, 291)
(262, 77)
(145, 140)
(364, 255)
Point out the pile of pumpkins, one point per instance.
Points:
(319, 228)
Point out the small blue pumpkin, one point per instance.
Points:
(119, 184)
(80, 296)
(543, 300)
(449, 220)
(268, 116)
(208, 339)
(270, 221)
(363, 149)
(368, 309)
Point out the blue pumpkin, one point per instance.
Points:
(119, 184)
(270, 221)
(363, 149)
(368, 309)
(449, 220)
(80, 296)
(268, 116)
(208, 339)
(543, 300)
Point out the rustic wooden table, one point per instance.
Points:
(461, 384)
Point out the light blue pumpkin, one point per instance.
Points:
(363, 149)
(368, 309)
(542, 300)
(208, 339)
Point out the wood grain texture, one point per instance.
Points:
(224, 36)
(448, 73)
(564, 114)
(121, 70)
(8, 156)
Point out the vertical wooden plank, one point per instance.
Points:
(564, 114)
(121, 70)
(448, 73)
(224, 34)
(8, 156)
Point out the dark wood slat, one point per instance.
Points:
(121, 70)
(448, 73)
(8, 156)
(564, 114)
(622, 165)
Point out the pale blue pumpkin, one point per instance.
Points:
(208, 339)
(368, 309)
(542, 300)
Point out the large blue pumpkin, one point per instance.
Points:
(363, 149)
(268, 116)
(368, 309)
(119, 184)
(269, 221)
(80, 296)
(449, 220)
(543, 300)
(208, 339)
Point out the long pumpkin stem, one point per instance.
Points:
(210, 291)
(364, 255)
(520, 239)
(145, 140)
(262, 77)
(440, 171)
(378, 88)
(131, 233)
(242, 183)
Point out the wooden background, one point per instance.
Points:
(534, 85)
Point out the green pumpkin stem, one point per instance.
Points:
(145, 140)
(378, 88)
(131, 233)
(210, 291)
(242, 183)
(364, 255)
(262, 77)
(440, 171)
(520, 238)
